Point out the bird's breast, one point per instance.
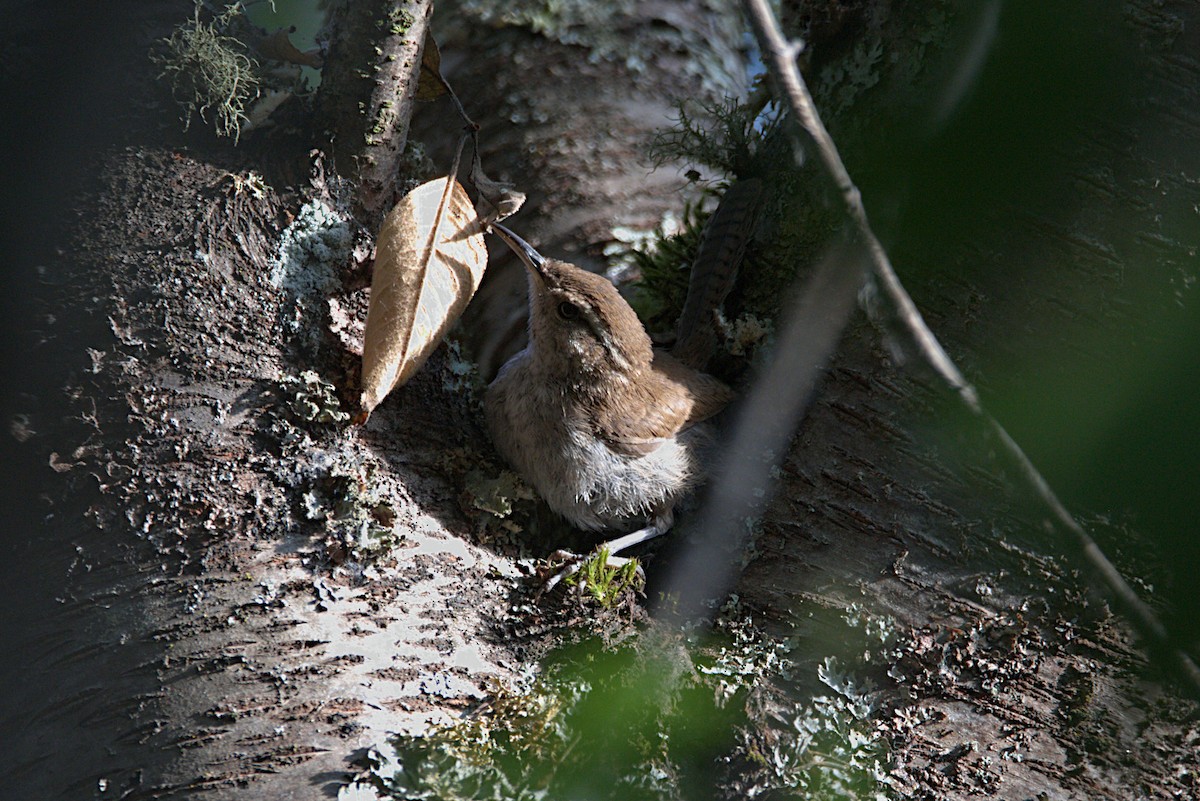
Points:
(552, 443)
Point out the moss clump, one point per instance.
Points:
(664, 266)
(608, 584)
(731, 137)
(792, 225)
(211, 72)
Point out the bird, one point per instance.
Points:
(611, 432)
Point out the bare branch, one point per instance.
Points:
(779, 56)
(368, 91)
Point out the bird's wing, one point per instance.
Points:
(708, 395)
(668, 399)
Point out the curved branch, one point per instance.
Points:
(779, 57)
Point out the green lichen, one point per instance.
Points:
(359, 520)
(210, 71)
(874, 75)
(460, 375)
(832, 750)
(312, 251)
(745, 334)
(397, 21)
(313, 399)
(842, 82)
(827, 742)
(597, 723)
(496, 496)
(501, 506)
(414, 166)
(655, 718)
(385, 118)
(740, 656)
(478, 756)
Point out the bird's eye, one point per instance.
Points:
(568, 311)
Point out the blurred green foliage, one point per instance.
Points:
(661, 717)
(1065, 191)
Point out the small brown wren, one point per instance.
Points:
(604, 426)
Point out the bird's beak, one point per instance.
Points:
(532, 259)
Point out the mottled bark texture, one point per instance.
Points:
(567, 107)
(184, 620)
(367, 94)
(168, 630)
(1006, 675)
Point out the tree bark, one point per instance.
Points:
(171, 630)
(1010, 677)
(367, 94)
(188, 619)
(193, 621)
(567, 116)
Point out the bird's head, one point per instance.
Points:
(578, 322)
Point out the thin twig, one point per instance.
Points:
(779, 56)
(458, 106)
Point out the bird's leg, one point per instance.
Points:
(661, 525)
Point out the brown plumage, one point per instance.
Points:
(664, 400)
(607, 429)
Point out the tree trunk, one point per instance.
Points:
(196, 610)
(195, 598)
(567, 116)
(1007, 675)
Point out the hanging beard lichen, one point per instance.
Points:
(210, 72)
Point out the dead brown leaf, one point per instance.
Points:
(278, 46)
(498, 199)
(430, 84)
(429, 260)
